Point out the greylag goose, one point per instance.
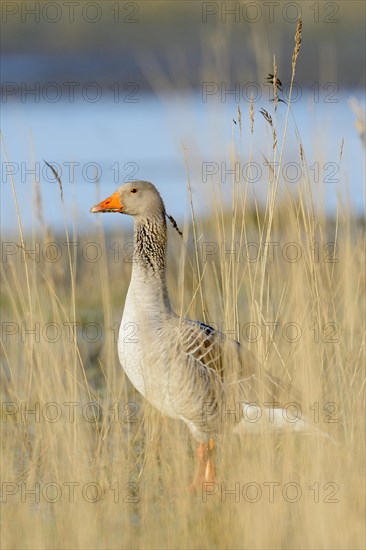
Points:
(185, 368)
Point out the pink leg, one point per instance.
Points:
(210, 465)
(205, 470)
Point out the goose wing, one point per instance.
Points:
(230, 363)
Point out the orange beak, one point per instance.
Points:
(111, 204)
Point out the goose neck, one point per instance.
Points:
(149, 259)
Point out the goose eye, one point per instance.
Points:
(133, 190)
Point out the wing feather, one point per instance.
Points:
(234, 364)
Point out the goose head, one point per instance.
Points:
(136, 198)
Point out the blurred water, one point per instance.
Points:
(145, 136)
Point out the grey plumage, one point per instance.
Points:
(185, 368)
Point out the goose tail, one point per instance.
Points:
(258, 419)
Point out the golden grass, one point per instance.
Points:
(109, 471)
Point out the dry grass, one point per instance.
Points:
(134, 463)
